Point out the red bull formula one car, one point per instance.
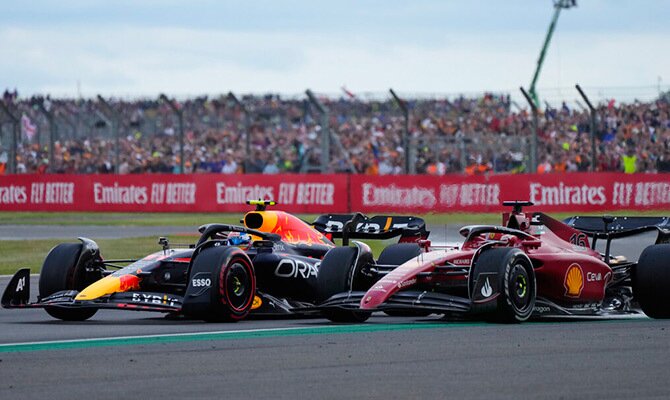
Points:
(268, 266)
(530, 266)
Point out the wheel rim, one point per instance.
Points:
(237, 285)
(520, 288)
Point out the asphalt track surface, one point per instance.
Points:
(122, 354)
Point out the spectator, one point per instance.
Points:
(629, 161)
(271, 167)
(229, 165)
(545, 166)
(663, 162)
(444, 132)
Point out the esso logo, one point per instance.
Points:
(201, 282)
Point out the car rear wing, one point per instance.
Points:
(607, 224)
(359, 226)
(609, 227)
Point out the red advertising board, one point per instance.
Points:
(171, 193)
(577, 192)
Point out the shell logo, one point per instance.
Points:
(257, 303)
(574, 281)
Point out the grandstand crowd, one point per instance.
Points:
(486, 134)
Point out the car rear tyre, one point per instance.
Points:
(59, 272)
(338, 274)
(516, 286)
(396, 254)
(652, 280)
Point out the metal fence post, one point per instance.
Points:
(592, 111)
(464, 159)
(247, 130)
(72, 125)
(325, 131)
(410, 163)
(113, 117)
(533, 140)
(180, 119)
(39, 102)
(13, 150)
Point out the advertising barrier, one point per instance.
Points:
(574, 192)
(311, 193)
(172, 193)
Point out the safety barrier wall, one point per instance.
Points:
(172, 193)
(550, 192)
(333, 193)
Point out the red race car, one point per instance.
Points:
(530, 266)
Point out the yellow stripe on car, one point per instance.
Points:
(105, 286)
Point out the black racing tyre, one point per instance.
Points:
(337, 274)
(59, 273)
(652, 280)
(516, 283)
(233, 283)
(398, 253)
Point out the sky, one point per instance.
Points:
(615, 48)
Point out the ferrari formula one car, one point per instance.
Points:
(271, 265)
(531, 266)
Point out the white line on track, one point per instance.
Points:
(243, 331)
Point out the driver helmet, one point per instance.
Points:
(238, 238)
